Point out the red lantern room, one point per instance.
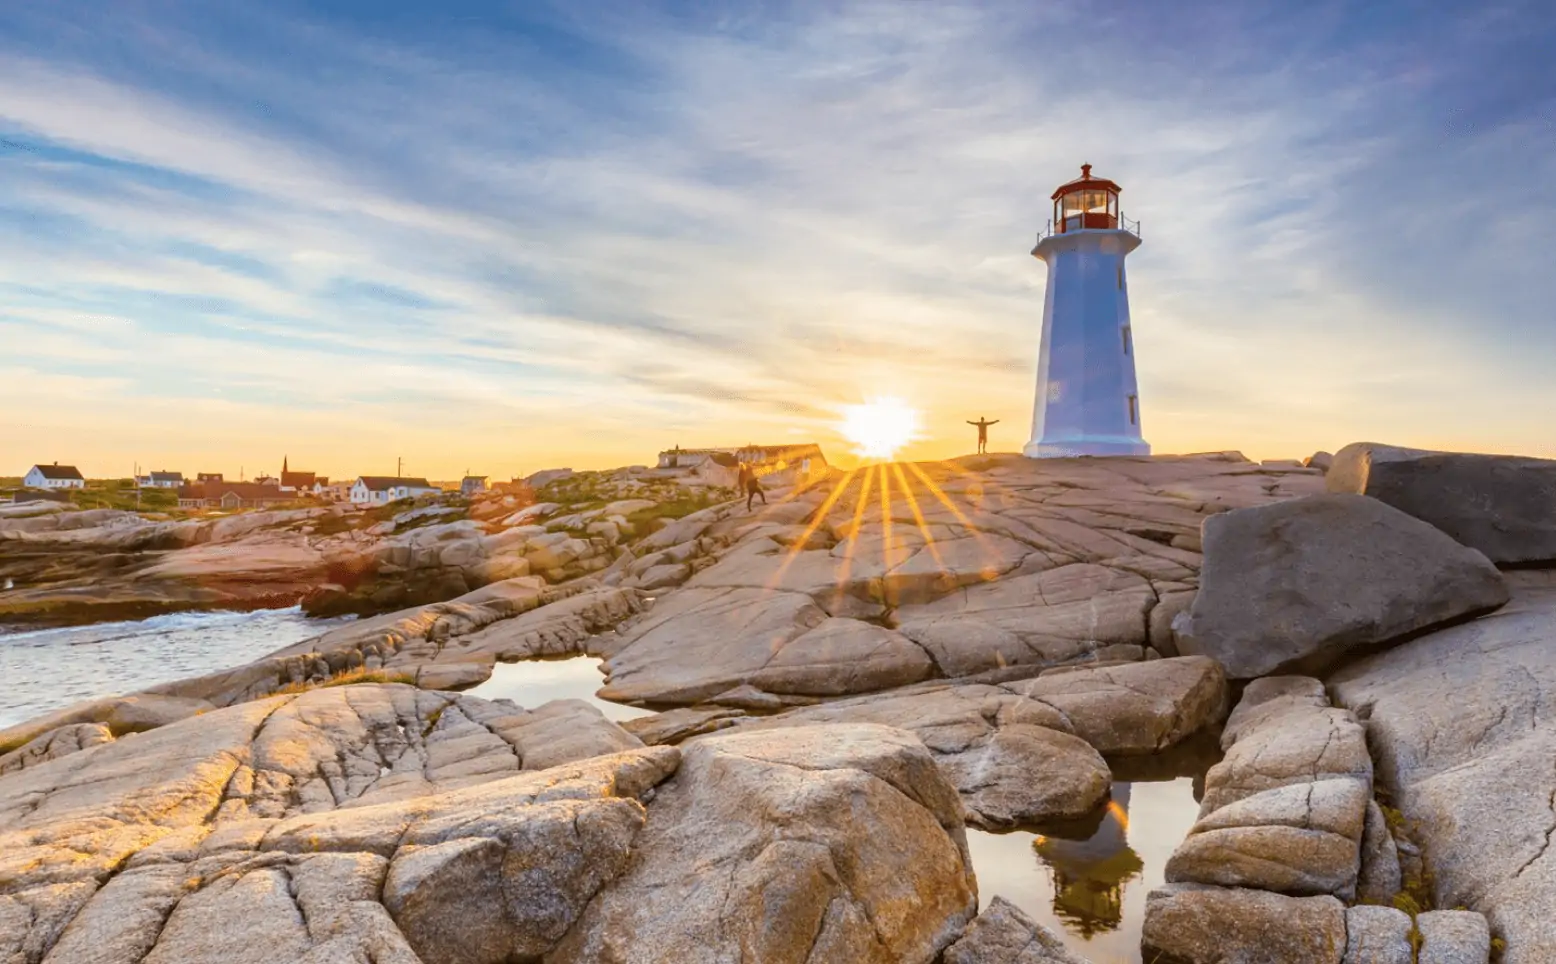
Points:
(1086, 204)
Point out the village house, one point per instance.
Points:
(472, 485)
(54, 476)
(160, 480)
(230, 495)
(208, 477)
(381, 489)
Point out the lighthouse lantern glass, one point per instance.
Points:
(1093, 208)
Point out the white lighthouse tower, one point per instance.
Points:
(1087, 400)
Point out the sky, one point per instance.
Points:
(511, 236)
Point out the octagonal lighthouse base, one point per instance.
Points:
(1073, 448)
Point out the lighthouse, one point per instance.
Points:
(1088, 402)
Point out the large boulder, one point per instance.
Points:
(1299, 585)
(1499, 504)
(817, 844)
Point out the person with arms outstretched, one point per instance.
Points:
(983, 433)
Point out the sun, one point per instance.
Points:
(879, 427)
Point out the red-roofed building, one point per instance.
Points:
(231, 495)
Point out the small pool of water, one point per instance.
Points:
(535, 681)
(1091, 892)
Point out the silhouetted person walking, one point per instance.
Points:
(983, 432)
(750, 485)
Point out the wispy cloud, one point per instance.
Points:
(513, 239)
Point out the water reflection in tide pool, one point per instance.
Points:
(1091, 892)
(536, 681)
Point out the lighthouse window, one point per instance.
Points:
(1125, 331)
(1134, 410)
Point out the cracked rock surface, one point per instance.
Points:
(956, 569)
(1463, 725)
(1030, 750)
(382, 823)
(1285, 810)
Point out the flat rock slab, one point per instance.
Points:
(1463, 724)
(1004, 934)
(1043, 618)
(1297, 586)
(812, 844)
(1499, 504)
(1215, 925)
(1133, 708)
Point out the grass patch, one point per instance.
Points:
(346, 679)
(123, 495)
(678, 508)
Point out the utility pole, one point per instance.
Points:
(399, 465)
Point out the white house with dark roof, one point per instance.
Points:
(54, 476)
(160, 480)
(380, 489)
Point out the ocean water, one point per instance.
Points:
(46, 669)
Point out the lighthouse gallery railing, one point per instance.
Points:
(1124, 224)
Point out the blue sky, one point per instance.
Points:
(510, 236)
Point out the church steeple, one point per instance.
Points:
(283, 466)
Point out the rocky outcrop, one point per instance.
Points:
(1021, 563)
(1217, 925)
(1463, 726)
(1499, 504)
(820, 844)
(386, 823)
(1286, 809)
(1010, 758)
(1297, 586)
(1025, 752)
(1003, 934)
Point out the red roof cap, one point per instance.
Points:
(1085, 183)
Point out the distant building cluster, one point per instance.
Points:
(778, 464)
(797, 463)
